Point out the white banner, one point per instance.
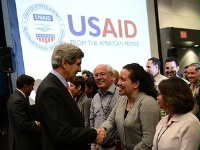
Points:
(112, 32)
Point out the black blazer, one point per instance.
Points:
(22, 126)
(61, 120)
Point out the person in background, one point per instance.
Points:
(116, 76)
(77, 89)
(172, 68)
(179, 129)
(86, 74)
(136, 113)
(193, 77)
(62, 124)
(90, 90)
(103, 102)
(185, 72)
(153, 67)
(33, 93)
(23, 125)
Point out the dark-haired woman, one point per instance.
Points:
(179, 129)
(136, 114)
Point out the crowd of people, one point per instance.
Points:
(134, 109)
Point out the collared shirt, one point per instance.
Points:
(26, 97)
(195, 89)
(185, 80)
(195, 93)
(21, 92)
(180, 132)
(60, 77)
(102, 104)
(158, 79)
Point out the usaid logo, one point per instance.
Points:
(43, 30)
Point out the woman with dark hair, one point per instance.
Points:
(90, 90)
(90, 87)
(87, 74)
(136, 114)
(179, 129)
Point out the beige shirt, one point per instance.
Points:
(195, 92)
(158, 79)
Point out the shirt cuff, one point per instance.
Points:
(93, 145)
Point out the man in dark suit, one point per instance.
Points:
(22, 121)
(62, 124)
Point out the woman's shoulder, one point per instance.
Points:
(122, 98)
(146, 98)
(189, 117)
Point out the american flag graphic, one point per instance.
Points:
(45, 38)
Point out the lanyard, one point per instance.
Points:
(106, 109)
(160, 135)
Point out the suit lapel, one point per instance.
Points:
(26, 101)
(64, 90)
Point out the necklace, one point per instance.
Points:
(128, 107)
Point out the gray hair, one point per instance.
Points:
(66, 51)
(110, 69)
(195, 65)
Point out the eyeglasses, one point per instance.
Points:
(102, 74)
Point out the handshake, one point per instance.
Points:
(101, 135)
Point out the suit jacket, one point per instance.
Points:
(22, 126)
(61, 120)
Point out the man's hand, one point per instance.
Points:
(101, 135)
(37, 125)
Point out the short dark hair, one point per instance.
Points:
(79, 80)
(137, 73)
(177, 95)
(186, 67)
(90, 83)
(88, 73)
(155, 61)
(23, 80)
(170, 59)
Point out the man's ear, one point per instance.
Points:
(157, 66)
(65, 63)
(112, 75)
(177, 68)
(79, 87)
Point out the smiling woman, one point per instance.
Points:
(136, 88)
